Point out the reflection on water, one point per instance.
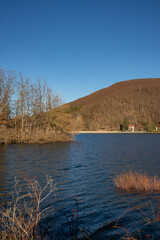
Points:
(86, 168)
(3, 170)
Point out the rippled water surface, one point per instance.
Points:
(85, 170)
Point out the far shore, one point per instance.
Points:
(103, 131)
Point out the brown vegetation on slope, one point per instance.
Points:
(138, 100)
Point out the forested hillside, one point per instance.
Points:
(137, 100)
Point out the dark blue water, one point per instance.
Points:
(84, 170)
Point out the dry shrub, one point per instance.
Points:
(137, 181)
(151, 218)
(21, 218)
(37, 136)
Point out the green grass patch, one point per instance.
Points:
(73, 109)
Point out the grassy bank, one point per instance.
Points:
(34, 137)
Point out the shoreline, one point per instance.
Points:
(112, 132)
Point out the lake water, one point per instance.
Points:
(84, 170)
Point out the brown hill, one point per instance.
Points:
(138, 100)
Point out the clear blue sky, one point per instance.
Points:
(80, 46)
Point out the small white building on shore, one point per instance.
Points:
(131, 128)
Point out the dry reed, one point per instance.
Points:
(137, 181)
(21, 218)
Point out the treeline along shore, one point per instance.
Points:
(30, 112)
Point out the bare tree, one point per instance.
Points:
(7, 80)
(22, 106)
